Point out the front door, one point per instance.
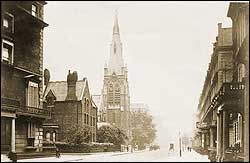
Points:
(5, 134)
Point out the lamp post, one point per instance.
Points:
(180, 142)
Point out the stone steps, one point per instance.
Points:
(4, 158)
(34, 155)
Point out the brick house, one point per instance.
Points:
(71, 104)
(22, 111)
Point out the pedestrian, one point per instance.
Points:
(127, 148)
(58, 155)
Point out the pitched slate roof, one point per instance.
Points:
(60, 88)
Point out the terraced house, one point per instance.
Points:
(223, 110)
(22, 110)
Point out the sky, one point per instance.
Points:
(166, 45)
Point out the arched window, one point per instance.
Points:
(110, 94)
(117, 94)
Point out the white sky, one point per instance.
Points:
(166, 45)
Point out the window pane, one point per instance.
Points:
(33, 94)
(5, 54)
(5, 23)
(34, 10)
(7, 51)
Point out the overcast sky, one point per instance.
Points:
(166, 45)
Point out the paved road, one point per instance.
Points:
(148, 156)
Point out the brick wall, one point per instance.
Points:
(65, 115)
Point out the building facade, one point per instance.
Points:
(239, 13)
(223, 110)
(115, 93)
(22, 110)
(71, 105)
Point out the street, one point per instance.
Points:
(137, 156)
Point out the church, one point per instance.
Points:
(115, 108)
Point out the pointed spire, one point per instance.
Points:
(116, 60)
(116, 26)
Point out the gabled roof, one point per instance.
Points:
(60, 88)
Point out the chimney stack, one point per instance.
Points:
(71, 82)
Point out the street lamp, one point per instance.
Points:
(180, 142)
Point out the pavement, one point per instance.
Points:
(161, 155)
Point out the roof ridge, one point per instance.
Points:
(57, 81)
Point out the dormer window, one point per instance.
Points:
(34, 10)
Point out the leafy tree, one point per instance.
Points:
(78, 134)
(110, 134)
(143, 129)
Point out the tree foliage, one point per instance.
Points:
(143, 129)
(78, 134)
(111, 134)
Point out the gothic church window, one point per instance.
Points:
(110, 94)
(117, 94)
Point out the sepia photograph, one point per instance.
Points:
(124, 81)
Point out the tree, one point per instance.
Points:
(78, 134)
(143, 129)
(110, 134)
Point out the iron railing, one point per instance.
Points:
(227, 91)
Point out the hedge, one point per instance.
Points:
(86, 148)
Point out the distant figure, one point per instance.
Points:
(189, 149)
(171, 148)
(127, 148)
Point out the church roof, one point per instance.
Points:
(60, 89)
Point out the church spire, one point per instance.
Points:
(116, 26)
(116, 60)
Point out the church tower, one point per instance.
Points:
(115, 92)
